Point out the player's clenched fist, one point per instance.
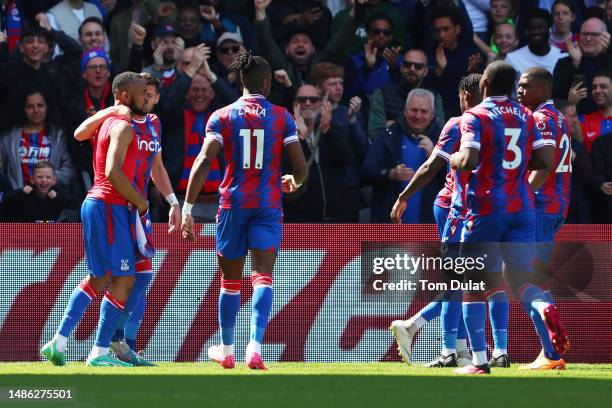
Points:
(288, 184)
(187, 228)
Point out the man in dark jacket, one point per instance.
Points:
(396, 154)
(327, 149)
(601, 156)
(300, 54)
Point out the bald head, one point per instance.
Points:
(590, 37)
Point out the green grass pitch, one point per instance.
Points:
(295, 385)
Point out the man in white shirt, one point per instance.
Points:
(537, 52)
(68, 15)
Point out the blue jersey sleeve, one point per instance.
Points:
(448, 141)
(470, 131)
(290, 129)
(213, 127)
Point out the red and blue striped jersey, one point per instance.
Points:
(505, 133)
(594, 125)
(33, 147)
(102, 189)
(253, 132)
(148, 136)
(448, 143)
(553, 196)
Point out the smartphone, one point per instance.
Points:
(577, 79)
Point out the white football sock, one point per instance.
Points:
(479, 357)
(98, 351)
(461, 345)
(415, 323)
(448, 352)
(499, 352)
(60, 342)
(227, 350)
(254, 347)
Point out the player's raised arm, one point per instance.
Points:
(159, 175)
(120, 138)
(88, 128)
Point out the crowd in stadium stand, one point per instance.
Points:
(370, 84)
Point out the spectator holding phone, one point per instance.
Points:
(585, 58)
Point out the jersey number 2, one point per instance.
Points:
(514, 134)
(246, 134)
(566, 146)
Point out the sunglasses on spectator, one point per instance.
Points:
(226, 50)
(594, 35)
(410, 64)
(100, 67)
(311, 99)
(378, 31)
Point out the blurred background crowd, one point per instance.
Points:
(370, 84)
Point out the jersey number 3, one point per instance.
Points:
(246, 135)
(513, 147)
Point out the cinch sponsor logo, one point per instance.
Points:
(149, 146)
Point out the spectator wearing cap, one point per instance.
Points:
(573, 75)
(328, 78)
(93, 94)
(68, 15)
(167, 48)
(388, 102)
(370, 8)
(537, 52)
(397, 153)
(229, 45)
(30, 70)
(217, 21)
(312, 17)
(373, 67)
(300, 54)
(39, 200)
(35, 138)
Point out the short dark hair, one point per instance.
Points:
(603, 73)
(253, 71)
(123, 81)
(470, 83)
(541, 14)
(150, 80)
(450, 12)
(29, 30)
(378, 16)
(541, 76)
(500, 77)
(567, 3)
(43, 164)
(92, 19)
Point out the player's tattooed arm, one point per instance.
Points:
(423, 176)
(121, 136)
(159, 175)
(88, 128)
(542, 158)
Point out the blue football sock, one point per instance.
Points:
(110, 311)
(449, 319)
(262, 304)
(133, 324)
(229, 303)
(139, 290)
(474, 317)
(498, 314)
(79, 301)
(461, 330)
(533, 296)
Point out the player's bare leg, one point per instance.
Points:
(229, 303)
(262, 265)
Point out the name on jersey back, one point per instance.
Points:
(498, 111)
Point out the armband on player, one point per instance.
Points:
(187, 208)
(171, 199)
